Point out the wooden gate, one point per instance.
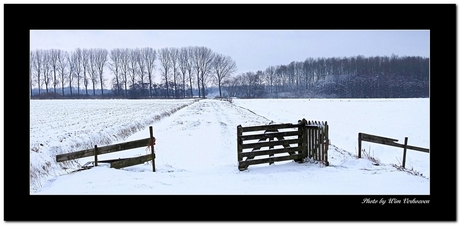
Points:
(279, 142)
(317, 140)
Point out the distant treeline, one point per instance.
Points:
(200, 72)
(348, 77)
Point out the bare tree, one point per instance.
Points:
(308, 72)
(149, 56)
(37, 63)
(86, 68)
(93, 69)
(53, 60)
(100, 59)
(142, 67)
(174, 56)
(198, 68)
(124, 63)
(31, 62)
(194, 58)
(165, 59)
(270, 77)
(133, 56)
(223, 67)
(204, 58)
(295, 74)
(62, 66)
(46, 69)
(71, 74)
(77, 62)
(184, 65)
(115, 67)
(190, 66)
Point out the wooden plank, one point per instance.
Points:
(269, 135)
(426, 150)
(268, 160)
(266, 152)
(130, 161)
(272, 143)
(390, 142)
(123, 146)
(268, 127)
(409, 147)
(103, 150)
(377, 139)
(74, 155)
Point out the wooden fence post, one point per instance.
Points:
(239, 146)
(404, 153)
(152, 143)
(316, 142)
(95, 155)
(271, 139)
(304, 138)
(309, 140)
(327, 143)
(359, 145)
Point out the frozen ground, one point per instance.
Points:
(196, 147)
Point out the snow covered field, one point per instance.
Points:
(196, 146)
(61, 126)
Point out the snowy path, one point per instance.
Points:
(201, 136)
(196, 154)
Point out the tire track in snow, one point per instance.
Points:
(202, 135)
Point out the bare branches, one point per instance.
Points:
(223, 67)
(132, 71)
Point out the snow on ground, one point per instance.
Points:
(393, 118)
(61, 126)
(196, 149)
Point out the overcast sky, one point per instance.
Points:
(252, 50)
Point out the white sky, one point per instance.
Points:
(252, 50)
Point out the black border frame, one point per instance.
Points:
(440, 19)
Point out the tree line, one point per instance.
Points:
(189, 71)
(182, 71)
(342, 77)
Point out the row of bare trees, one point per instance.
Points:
(57, 68)
(351, 77)
(181, 70)
(188, 69)
(189, 66)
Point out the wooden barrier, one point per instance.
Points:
(317, 140)
(116, 163)
(287, 141)
(390, 142)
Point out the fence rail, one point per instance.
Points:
(116, 163)
(306, 139)
(389, 142)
